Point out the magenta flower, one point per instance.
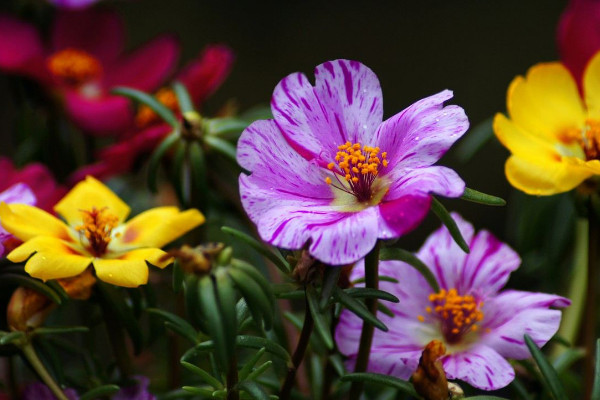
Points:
(18, 193)
(201, 77)
(328, 171)
(82, 61)
(578, 35)
(72, 4)
(479, 325)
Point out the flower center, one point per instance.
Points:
(587, 137)
(458, 314)
(74, 66)
(97, 227)
(358, 166)
(145, 116)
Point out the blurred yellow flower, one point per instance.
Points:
(96, 234)
(552, 132)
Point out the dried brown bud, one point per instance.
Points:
(429, 379)
(196, 260)
(305, 268)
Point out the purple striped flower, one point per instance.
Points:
(327, 171)
(17, 193)
(479, 325)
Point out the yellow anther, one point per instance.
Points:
(355, 179)
(355, 170)
(385, 163)
(330, 165)
(328, 180)
(421, 318)
(74, 66)
(348, 177)
(97, 228)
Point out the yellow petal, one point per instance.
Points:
(53, 258)
(130, 269)
(545, 178)
(26, 222)
(157, 227)
(87, 194)
(546, 102)
(591, 86)
(524, 145)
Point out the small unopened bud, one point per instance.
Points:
(192, 126)
(224, 257)
(196, 260)
(429, 379)
(27, 309)
(456, 392)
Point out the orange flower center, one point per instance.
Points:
(97, 228)
(587, 137)
(145, 116)
(74, 66)
(358, 166)
(458, 314)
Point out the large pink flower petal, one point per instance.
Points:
(481, 367)
(99, 33)
(102, 116)
(423, 181)
(21, 49)
(422, 133)
(402, 215)
(146, 68)
(263, 150)
(512, 314)
(207, 72)
(443, 256)
(345, 105)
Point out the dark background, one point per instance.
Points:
(417, 48)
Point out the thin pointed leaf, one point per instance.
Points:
(227, 298)
(365, 377)
(385, 310)
(157, 155)
(225, 126)
(389, 253)
(484, 397)
(254, 390)
(370, 293)
(178, 276)
(567, 358)
(160, 109)
(330, 280)
(31, 283)
(12, 337)
(259, 370)
(222, 146)
(210, 310)
(444, 216)
(256, 275)
(181, 325)
(276, 259)
(382, 278)
(208, 393)
(596, 387)
(517, 386)
(198, 169)
(54, 285)
(205, 376)
(60, 330)
(100, 392)
(550, 377)
(482, 198)
(358, 308)
(179, 173)
(479, 135)
(321, 325)
(183, 97)
(253, 342)
(258, 302)
(247, 368)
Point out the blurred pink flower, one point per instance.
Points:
(202, 76)
(578, 35)
(72, 4)
(83, 60)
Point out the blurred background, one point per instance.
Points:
(417, 48)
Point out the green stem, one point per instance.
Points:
(366, 336)
(589, 329)
(307, 328)
(31, 356)
(116, 337)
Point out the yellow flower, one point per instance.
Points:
(553, 133)
(94, 234)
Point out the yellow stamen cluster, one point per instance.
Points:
(587, 137)
(97, 228)
(359, 166)
(74, 66)
(145, 116)
(459, 314)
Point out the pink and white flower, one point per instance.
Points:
(480, 325)
(17, 193)
(327, 171)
